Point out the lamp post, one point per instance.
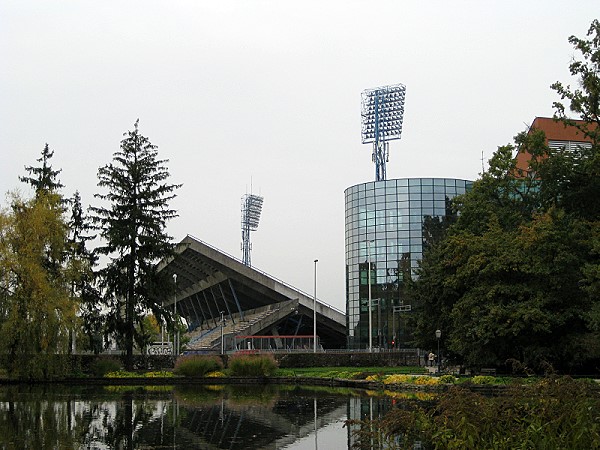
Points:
(438, 335)
(175, 331)
(315, 311)
(369, 306)
(222, 321)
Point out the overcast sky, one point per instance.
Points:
(267, 94)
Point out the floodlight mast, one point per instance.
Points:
(251, 209)
(382, 113)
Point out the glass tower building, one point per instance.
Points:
(387, 225)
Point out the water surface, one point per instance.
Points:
(182, 417)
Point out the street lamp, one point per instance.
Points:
(175, 331)
(222, 322)
(438, 335)
(315, 311)
(369, 282)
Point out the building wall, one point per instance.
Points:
(387, 222)
(557, 135)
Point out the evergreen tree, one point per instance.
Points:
(43, 179)
(81, 263)
(132, 226)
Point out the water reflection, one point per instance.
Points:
(182, 417)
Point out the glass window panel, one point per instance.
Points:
(402, 197)
(415, 226)
(426, 181)
(414, 182)
(438, 182)
(450, 183)
(427, 189)
(414, 195)
(460, 184)
(402, 182)
(441, 196)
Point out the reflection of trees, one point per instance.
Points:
(40, 418)
(189, 417)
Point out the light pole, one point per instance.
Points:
(438, 335)
(315, 311)
(369, 282)
(222, 326)
(175, 331)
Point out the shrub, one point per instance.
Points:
(197, 366)
(217, 374)
(102, 366)
(252, 365)
(448, 379)
(121, 374)
(426, 380)
(159, 374)
(484, 379)
(398, 379)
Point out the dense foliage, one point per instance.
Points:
(197, 365)
(517, 275)
(132, 225)
(555, 413)
(252, 366)
(37, 308)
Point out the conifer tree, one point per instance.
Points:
(43, 178)
(81, 262)
(132, 225)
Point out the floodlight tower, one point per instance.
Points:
(251, 209)
(382, 112)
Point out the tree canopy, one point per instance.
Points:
(132, 224)
(516, 276)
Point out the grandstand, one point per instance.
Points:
(218, 296)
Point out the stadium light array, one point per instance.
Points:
(382, 114)
(251, 209)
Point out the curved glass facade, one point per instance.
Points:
(388, 222)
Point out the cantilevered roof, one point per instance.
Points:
(210, 282)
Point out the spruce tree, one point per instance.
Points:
(132, 225)
(43, 178)
(81, 265)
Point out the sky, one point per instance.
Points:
(263, 97)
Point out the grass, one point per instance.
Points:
(348, 372)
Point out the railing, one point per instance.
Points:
(267, 275)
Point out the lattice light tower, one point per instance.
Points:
(251, 209)
(382, 112)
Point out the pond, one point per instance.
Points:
(182, 417)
